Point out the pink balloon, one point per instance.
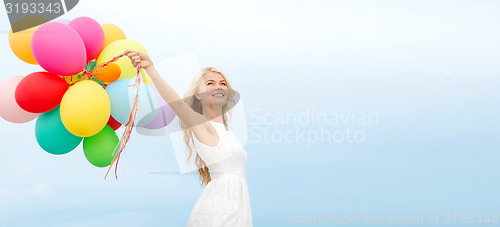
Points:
(165, 113)
(9, 110)
(91, 33)
(58, 49)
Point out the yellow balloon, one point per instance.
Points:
(72, 79)
(112, 33)
(116, 48)
(20, 42)
(85, 108)
(146, 77)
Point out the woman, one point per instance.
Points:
(220, 158)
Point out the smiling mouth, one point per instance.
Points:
(218, 94)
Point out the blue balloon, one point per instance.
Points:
(122, 97)
(52, 136)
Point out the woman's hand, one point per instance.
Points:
(139, 57)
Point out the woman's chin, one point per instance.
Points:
(216, 99)
(219, 103)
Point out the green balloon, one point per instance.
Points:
(99, 148)
(52, 136)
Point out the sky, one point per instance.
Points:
(377, 108)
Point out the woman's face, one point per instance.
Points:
(214, 90)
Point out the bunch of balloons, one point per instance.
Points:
(73, 101)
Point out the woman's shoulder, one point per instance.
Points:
(209, 137)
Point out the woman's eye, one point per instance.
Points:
(209, 83)
(224, 84)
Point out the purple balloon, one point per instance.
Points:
(165, 113)
(61, 20)
(59, 49)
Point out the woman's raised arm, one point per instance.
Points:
(185, 113)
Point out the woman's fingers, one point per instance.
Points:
(131, 55)
(136, 57)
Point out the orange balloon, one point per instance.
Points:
(112, 33)
(109, 73)
(20, 41)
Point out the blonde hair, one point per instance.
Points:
(195, 104)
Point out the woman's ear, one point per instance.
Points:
(198, 96)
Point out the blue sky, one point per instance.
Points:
(427, 69)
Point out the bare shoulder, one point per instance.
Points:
(206, 134)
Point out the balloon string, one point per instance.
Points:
(89, 71)
(88, 75)
(131, 120)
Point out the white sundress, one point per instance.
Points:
(225, 200)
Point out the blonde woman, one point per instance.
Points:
(204, 115)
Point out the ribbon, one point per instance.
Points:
(88, 75)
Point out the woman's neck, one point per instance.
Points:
(213, 115)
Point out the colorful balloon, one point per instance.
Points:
(99, 148)
(122, 98)
(112, 33)
(165, 113)
(59, 49)
(91, 33)
(20, 41)
(72, 79)
(109, 73)
(52, 136)
(113, 123)
(62, 20)
(85, 108)
(9, 109)
(40, 92)
(116, 48)
(147, 79)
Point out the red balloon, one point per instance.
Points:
(113, 123)
(40, 92)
